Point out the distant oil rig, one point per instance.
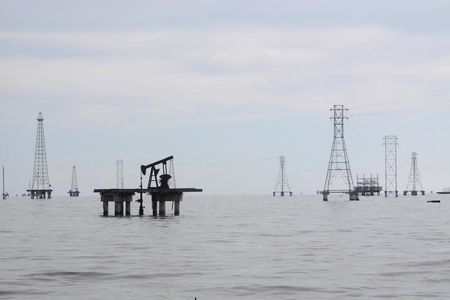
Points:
(74, 187)
(41, 187)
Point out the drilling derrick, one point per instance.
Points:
(339, 165)
(282, 184)
(414, 181)
(41, 187)
(390, 165)
(74, 187)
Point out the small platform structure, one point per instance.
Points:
(368, 186)
(40, 194)
(159, 190)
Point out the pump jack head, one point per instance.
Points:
(143, 169)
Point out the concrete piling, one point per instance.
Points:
(154, 206)
(127, 208)
(122, 197)
(176, 210)
(116, 208)
(105, 208)
(162, 208)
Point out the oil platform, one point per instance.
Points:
(161, 189)
(368, 186)
(41, 187)
(74, 192)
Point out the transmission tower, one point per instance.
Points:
(339, 165)
(390, 165)
(74, 187)
(282, 184)
(41, 187)
(414, 181)
(119, 173)
(172, 181)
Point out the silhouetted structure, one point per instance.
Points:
(339, 165)
(41, 187)
(158, 188)
(282, 184)
(390, 165)
(74, 186)
(414, 181)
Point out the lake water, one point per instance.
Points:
(227, 248)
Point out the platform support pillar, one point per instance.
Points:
(127, 208)
(105, 208)
(176, 208)
(154, 206)
(116, 208)
(162, 208)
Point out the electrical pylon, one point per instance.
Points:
(41, 187)
(339, 165)
(74, 187)
(119, 173)
(390, 165)
(282, 183)
(414, 181)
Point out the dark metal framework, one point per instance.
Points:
(339, 165)
(414, 181)
(164, 178)
(390, 165)
(282, 184)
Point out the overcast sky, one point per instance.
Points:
(224, 86)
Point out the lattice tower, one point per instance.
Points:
(74, 186)
(414, 181)
(390, 165)
(282, 184)
(119, 173)
(339, 164)
(40, 170)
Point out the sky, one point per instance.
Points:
(224, 86)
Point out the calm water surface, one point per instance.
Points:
(227, 248)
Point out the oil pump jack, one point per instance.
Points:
(158, 188)
(163, 182)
